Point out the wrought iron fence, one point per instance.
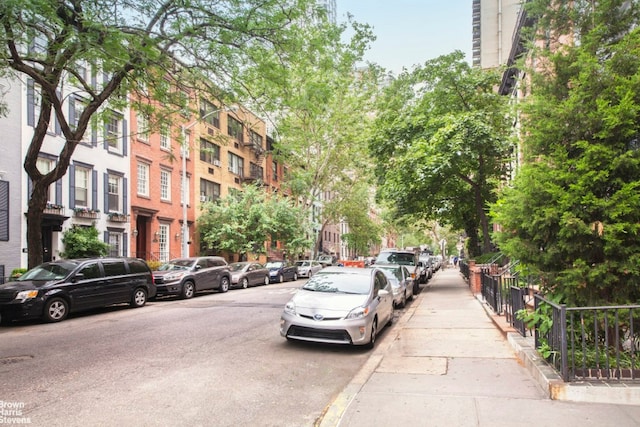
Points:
(464, 269)
(590, 343)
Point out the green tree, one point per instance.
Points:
(198, 43)
(321, 115)
(363, 231)
(573, 211)
(441, 145)
(83, 242)
(243, 221)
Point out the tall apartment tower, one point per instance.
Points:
(493, 24)
(330, 6)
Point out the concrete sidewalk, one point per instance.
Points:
(445, 363)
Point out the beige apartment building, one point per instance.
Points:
(493, 28)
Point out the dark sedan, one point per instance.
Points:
(279, 271)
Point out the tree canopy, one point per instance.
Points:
(321, 114)
(240, 222)
(441, 145)
(573, 211)
(135, 46)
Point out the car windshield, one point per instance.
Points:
(302, 263)
(396, 258)
(175, 265)
(274, 265)
(49, 271)
(237, 266)
(392, 272)
(348, 283)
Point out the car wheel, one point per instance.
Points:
(310, 274)
(244, 283)
(404, 300)
(224, 284)
(188, 290)
(295, 276)
(374, 331)
(266, 280)
(281, 278)
(56, 310)
(139, 298)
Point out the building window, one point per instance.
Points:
(77, 106)
(209, 152)
(236, 164)
(164, 243)
(165, 138)
(45, 166)
(209, 113)
(209, 191)
(114, 198)
(165, 185)
(142, 124)
(115, 244)
(234, 129)
(82, 186)
(143, 179)
(113, 132)
(274, 170)
(255, 138)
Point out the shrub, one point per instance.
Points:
(82, 242)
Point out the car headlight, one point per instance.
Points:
(290, 308)
(358, 313)
(173, 276)
(25, 295)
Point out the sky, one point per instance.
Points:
(410, 32)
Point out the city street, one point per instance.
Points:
(216, 359)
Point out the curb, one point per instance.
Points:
(333, 413)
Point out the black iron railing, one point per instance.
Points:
(590, 343)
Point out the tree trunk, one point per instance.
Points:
(37, 203)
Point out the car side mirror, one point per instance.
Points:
(198, 267)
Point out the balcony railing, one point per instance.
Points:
(52, 209)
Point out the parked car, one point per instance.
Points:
(307, 268)
(186, 276)
(327, 260)
(426, 268)
(245, 274)
(340, 305)
(402, 257)
(401, 283)
(54, 289)
(280, 270)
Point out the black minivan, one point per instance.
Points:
(54, 289)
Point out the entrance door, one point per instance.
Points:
(141, 237)
(47, 247)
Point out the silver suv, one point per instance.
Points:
(402, 257)
(186, 276)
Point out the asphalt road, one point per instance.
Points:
(216, 359)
